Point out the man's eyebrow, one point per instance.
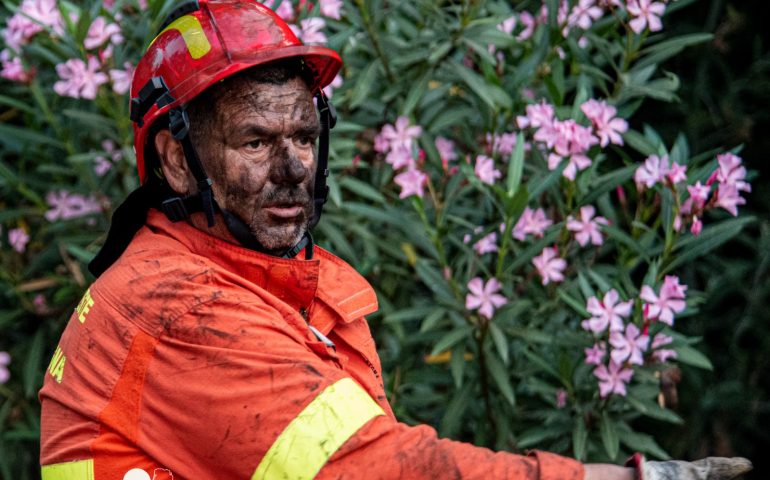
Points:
(308, 129)
(254, 129)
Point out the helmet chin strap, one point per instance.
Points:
(179, 208)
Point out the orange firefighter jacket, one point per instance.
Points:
(194, 358)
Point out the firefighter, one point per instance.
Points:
(218, 342)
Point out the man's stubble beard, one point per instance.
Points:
(262, 232)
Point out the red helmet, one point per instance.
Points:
(208, 41)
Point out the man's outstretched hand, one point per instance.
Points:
(710, 468)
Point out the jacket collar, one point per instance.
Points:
(296, 281)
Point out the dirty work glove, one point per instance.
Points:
(710, 468)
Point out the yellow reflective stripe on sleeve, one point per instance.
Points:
(79, 470)
(308, 442)
(192, 34)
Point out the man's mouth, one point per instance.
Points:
(284, 210)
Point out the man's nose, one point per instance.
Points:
(287, 168)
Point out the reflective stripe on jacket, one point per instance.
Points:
(191, 358)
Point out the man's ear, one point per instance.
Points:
(173, 162)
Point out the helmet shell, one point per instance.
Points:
(214, 42)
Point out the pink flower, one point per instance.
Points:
(400, 157)
(102, 163)
(310, 31)
(699, 195)
(677, 173)
(13, 69)
(561, 398)
(729, 197)
(484, 297)
(121, 79)
(486, 244)
(411, 183)
(646, 13)
(550, 266)
(336, 83)
(731, 171)
(629, 346)
(657, 169)
(538, 115)
(613, 380)
(607, 312)
(584, 13)
(660, 340)
(33, 16)
(603, 118)
(531, 222)
(662, 354)
(529, 22)
(285, 10)
(400, 133)
(486, 171)
(595, 354)
(507, 25)
(504, 143)
(66, 205)
(670, 301)
(697, 225)
(446, 150)
(587, 228)
(79, 80)
(100, 31)
(18, 239)
(5, 360)
(331, 8)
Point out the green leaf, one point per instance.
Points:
(537, 435)
(457, 364)
(416, 91)
(579, 438)
(664, 50)
(500, 341)
(542, 363)
(414, 313)
(499, 374)
(622, 237)
(491, 94)
(16, 138)
(690, 356)
(607, 183)
(364, 83)
(574, 303)
(653, 410)
(33, 365)
(516, 165)
(640, 143)
(640, 442)
(434, 280)
(451, 338)
(362, 189)
(433, 319)
(609, 436)
(691, 247)
(455, 411)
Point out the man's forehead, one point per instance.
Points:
(291, 99)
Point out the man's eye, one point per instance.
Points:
(255, 144)
(306, 140)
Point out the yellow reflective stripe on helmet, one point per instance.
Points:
(192, 34)
(308, 442)
(79, 470)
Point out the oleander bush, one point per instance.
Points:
(525, 236)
